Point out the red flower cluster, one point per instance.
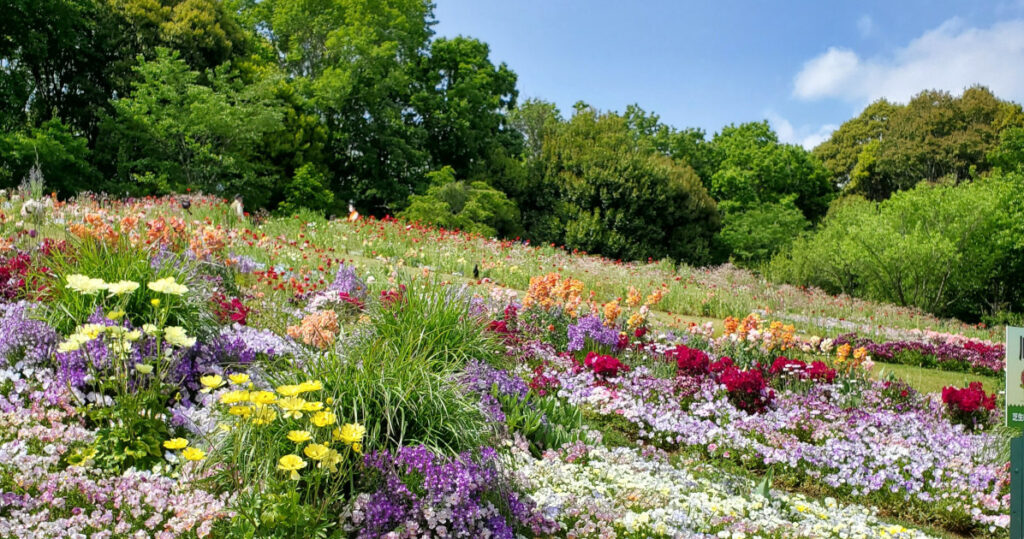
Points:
(355, 302)
(969, 406)
(968, 399)
(721, 365)
(541, 383)
(12, 275)
(604, 365)
(817, 370)
(388, 298)
(747, 389)
(689, 360)
(229, 311)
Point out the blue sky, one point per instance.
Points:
(805, 66)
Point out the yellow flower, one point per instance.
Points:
(350, 433)
(299, 436)
(155, 302)
(122, 287)
(323, 418)
(264, 415)
(316, 451)
(238, 378)
(167, 285)
(143, 368)
(289, 390)
(176, 335)
(292, 407)
(332, 460)
(191, 453)
(358, 448)
(291, 463)
(234, 397)
(133, 335)
(150, 329)
(244, 411)
(312, 406)
(92, 330)
(85, 285)
(262, 397)
(310, 385)
(115, 315)
(211, 382)
(176, 444)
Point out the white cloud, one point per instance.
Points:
(865, 25)
(951, 57)
(805, 135)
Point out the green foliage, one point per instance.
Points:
(62, 59)
(950, 250)
(474, 207)
(1008, 156)
(67, 308)
(463, 99)
(756, 169)
(204, 32)
(620, 198)
(893, 147)
(307, 190)
(756, 234)
(357, 60)
(546, 422)
(63, 157)
(174, 133)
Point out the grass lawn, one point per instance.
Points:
(933, 380)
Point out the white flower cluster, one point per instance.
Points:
(594, 488)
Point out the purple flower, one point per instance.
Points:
(591, 327)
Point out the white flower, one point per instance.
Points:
(122, 287)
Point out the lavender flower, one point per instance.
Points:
(592, 327)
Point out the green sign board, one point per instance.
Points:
(1015, 377)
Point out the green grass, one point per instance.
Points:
(933, 380)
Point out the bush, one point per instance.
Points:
(949, 250)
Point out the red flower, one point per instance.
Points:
(603, 365)
(689, 360)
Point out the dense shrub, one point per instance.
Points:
(950, 250)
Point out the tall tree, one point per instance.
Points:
(935, 135)
(356, 61)
(620, 197)
(463, 101)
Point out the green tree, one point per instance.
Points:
(755, 168)
(754, 235)
(307, 189)
(61, 59)
(463, 101)
(952, 250)
(204, 32)
(935, 135)
(173, 133)
(620, 197)
(1009, 154)
(63, 158)
(356, 62)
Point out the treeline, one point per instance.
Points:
(322, 103)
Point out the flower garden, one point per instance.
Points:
(175, 371)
